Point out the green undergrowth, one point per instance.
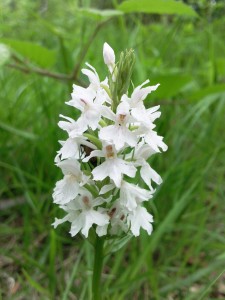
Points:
(184, 258)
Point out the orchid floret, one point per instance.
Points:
(106, 175)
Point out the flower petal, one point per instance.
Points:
(140, 218)
(65, 190)
(148, 174)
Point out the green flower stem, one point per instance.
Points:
(98, 264)
(94, 140)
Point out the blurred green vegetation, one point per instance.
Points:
(43, 46)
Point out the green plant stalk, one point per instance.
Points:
(98, 264)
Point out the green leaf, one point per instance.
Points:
(73, 275)
(22, 133)
(157, 7)
(56, 30)
(197, 275)
(216, 89)
(162, 228)
(220, 66)
(33, 52)
(93, 139)
(170, 84)
(98, 14)
(35, 284)
(4, 54)
(116, 244)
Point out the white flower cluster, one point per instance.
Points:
(105, 148)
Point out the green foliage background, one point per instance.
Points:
(179, 45)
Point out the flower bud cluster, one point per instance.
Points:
(106, 153)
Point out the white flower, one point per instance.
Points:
(69, 187)
(119, 133)
(88, 216)
(140, 218)
(139, 94)
(109, 56)
(93, 77)
(81, 97)
(82, 215)
(66, 190)
(148, 174)
(153, 113)
(96, 85)
(106, 188)
(146, 116)
(131, 195)
(90, 104)
(71, 216)
(141, 154)
(72, 147)
(102, 229)
(153, 139)
(71, 126)
(136, 105)
(118, 218)
(113, 166)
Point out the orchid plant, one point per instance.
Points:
(105, 154)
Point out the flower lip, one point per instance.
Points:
(112, 212)
(122, 217)
(83, 101)
(86, 201)
(121, 118)
(109, 151)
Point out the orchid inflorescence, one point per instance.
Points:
(107, 151)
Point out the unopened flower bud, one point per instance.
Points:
(123, 77)
(108, 55)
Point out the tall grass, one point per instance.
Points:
(186, 252)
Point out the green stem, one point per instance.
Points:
(98, 264)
